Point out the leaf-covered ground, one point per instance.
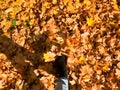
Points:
(33, 32)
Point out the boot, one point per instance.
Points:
(60, 65)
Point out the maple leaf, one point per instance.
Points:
(55, 12)
(46, 56)
(31, 22)
(90, 21)
(105, 68)
(81, 60)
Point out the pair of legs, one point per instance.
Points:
(61, 70)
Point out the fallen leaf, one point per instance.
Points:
(105, 68)
(81, 60)
(49, 56)
(70, 7)
(31, 22)
(90, 21)
(54, 1)
(13, 23)
(87, 2)
(117, 73)
(55, 12)
(86, 78)
(65, 2)
(46, 56)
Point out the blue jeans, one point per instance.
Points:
(62, 84)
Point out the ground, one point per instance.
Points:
(34, 32)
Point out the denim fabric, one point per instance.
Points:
(62, 84)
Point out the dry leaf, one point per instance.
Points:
(102, 50)
(3, 56)
(60, 40)
(54, 1)
(118, 65)
(86, 78)
(70, 7)
(49, 56)
(114, 4)
(86, 70)
(117, 73)
(72, 82)
(87, 2)
(65, 2)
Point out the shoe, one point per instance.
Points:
(60, 66)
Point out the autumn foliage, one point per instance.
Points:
(34, 32)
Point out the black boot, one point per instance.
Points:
(60, 66)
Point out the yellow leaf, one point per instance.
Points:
(45, 5)
(112, 23)
(12, 14)
(70, 7)
(43, 9)
(90, 46)
(46, 56)
(114, 4)
(31, 22)
(87, 2)
(65, 1)
(82, 58)
(18, 1)
(54, 1)
(105, 68)
(72, 48)
(90, 21)
(55, 12)
(49, 56)
(9, 10)
(31, 4)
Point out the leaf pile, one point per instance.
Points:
(33, 32)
